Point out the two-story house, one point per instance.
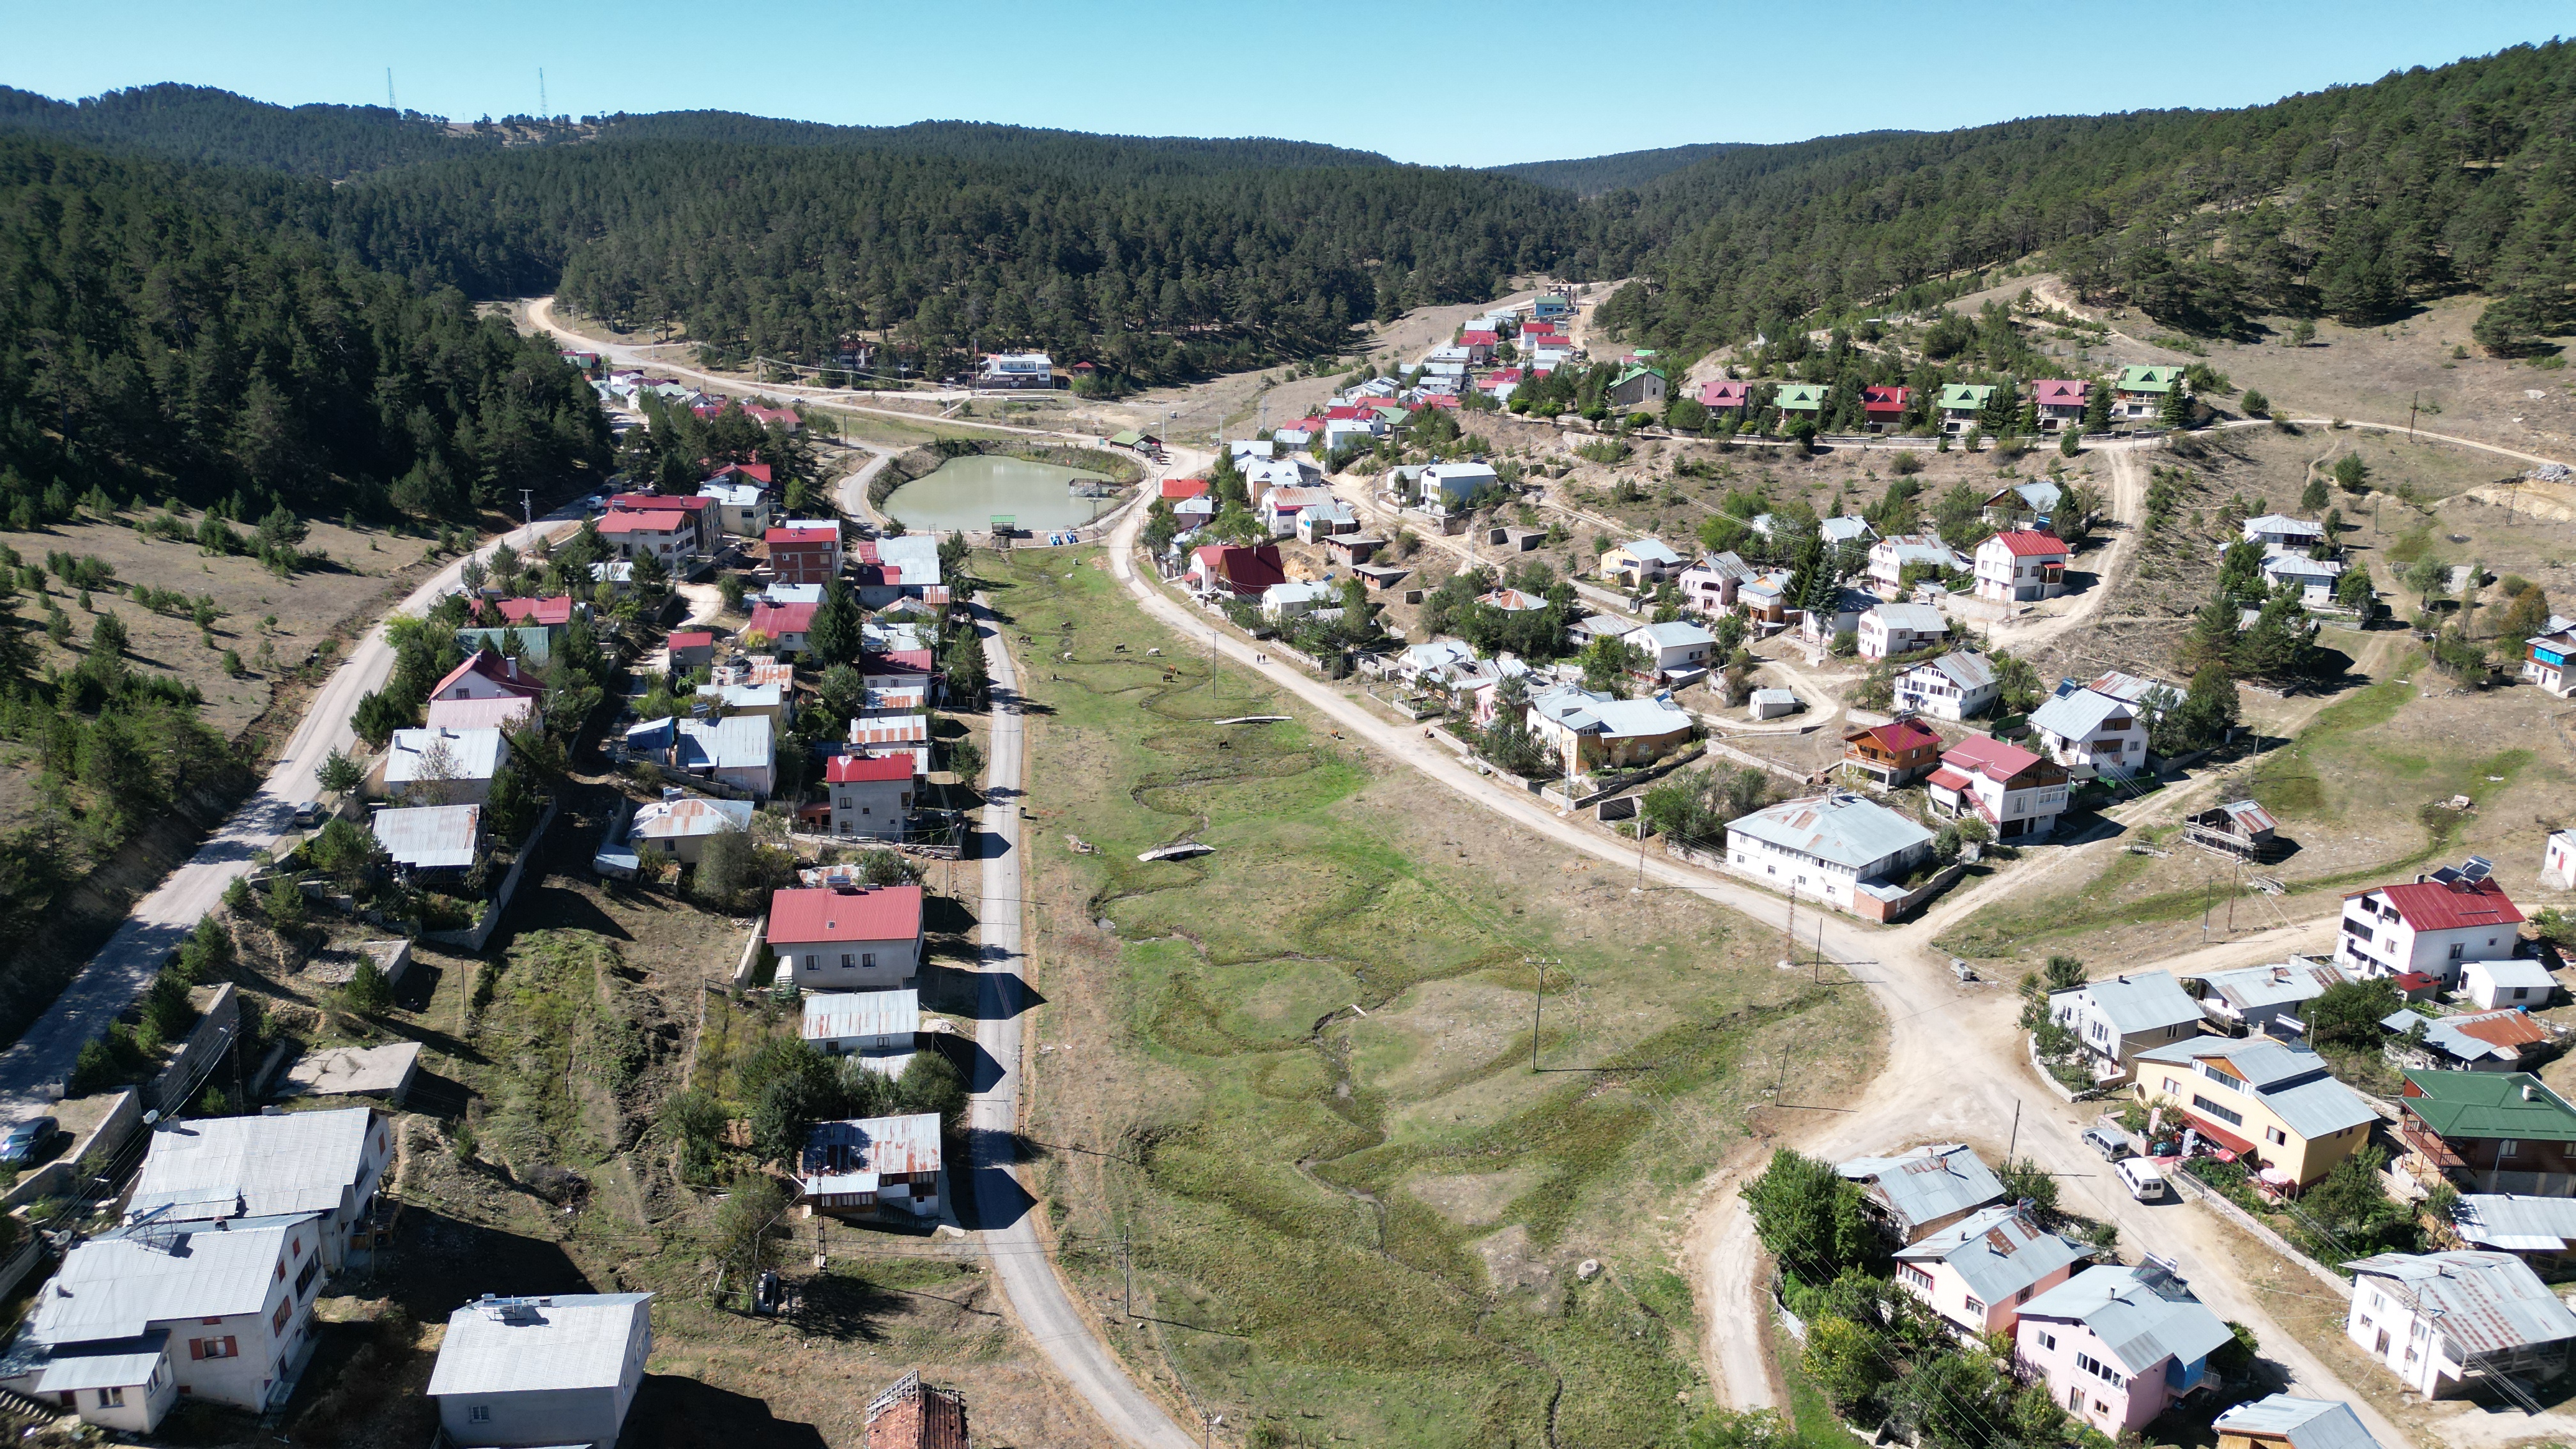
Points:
(2271, 1103)
(1893, 629)
(1979, 1271)
(2118, 1346)
(555, 1370)
(2545, 661)
(2280, 533)
(1676, 646)
(1893, 753)
(2060, 402)
(2490, 1131)
(2442, 1322)
(2435, 925)
(2023, 505)
(1919, 1192)
(1889, 557)
(2021, 565)
(2140, 393)
(2019, 793)
(1708, 586)
(1838, 848)
(1640, 562)
(329, 1163)
(1960, 685)
(856, 939)
(1882, 408)
(1799, 402)
(2126, 1015)
(1725, 398)
(1960, 404)
(2092, 734)
(880, 1028)
(871, 797)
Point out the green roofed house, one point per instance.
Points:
(1960, 404)
(2141, 391)
(2491, 1131)
(1127, 439)
(1800, 400)
(1636, 388)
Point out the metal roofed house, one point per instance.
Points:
(1889, 557)
(912, 1415)
(2016, 501)
(430, 837)
(2118, 1345)
(226, 1305)
(873, 1164)
(2315, 577)
(125, 1383)
(2540, 1229)
(1923, 1190)
(1977, 1272)
(2060, 401)
(1772, 703)
(1799, 400)
(327, 1162)
(1892, 753)
(1882, 407)
(1959, 685)
(2121, 1017)
(869, 797)
(2435, 925)
(2272, 1104)
(2092, 734)
(1960, 402)
(1845, 528)
(444, 766)
(679, 825)
(1676, 647)
(2250, 998)
(2140, 392)
(2442, 1322)
(1892, 629)
(2519, 982)
(1599, 626)
(2019, 565)
(2278, 531)
(1640, 562)
(2283, 1422)
(2499, 1132)
(2481, 1041)
(2018, 793)
(1837, 848)
(857, 939)
(560, 1370)
(507, 713)
(880, 1028)
(1585, 729)
(738, 750)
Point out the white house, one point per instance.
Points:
(2315, 576)
(2018, 793)
(1889, 556)
(880, 1028)
(2092, 734)
(1900, 629)
(444, 766)
(2546, 655)
(1708, 586)
(738, 750)
(743, 510)
(2436, 925)
(2251, 998)
(1977, 1272)
(1848, 528)
(860, 939)
(871, 796)
(1446, 487)
(2274, 531)
(327, 1163)
(2118, 1018)
(2515, 982)
(560, 1370)
(2431, 1316)
(1281, 507)
(1640, 562)
(1295, 597)
(2558, 860)
(1584, 729)
(2019, 565)
(1837, 848)
(1957, 686)
(1675, 647)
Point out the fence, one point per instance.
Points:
(473, 937)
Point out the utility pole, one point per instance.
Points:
(1127, 1260)
(543, 110)
(528, 510)
(2414, 403)
(2015, 1141)
(389, 92)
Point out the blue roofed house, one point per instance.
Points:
(1924, 1190)
(1977, 1272)
(2283, 1422)
(2121, 1017)
(1676, 647)
(2092, 733)
(1586, 730)
(2118, 1346)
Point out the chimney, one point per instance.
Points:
(2530, 1093)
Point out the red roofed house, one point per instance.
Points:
(691, 648)
(665, 533)
(1479, 342)
(804, 555)
(765, 416)
(1440, 400)
(1500, 377)
(747, 472)
(700, 510)
(1177, 489)
(848, 940)
(871, 796)
(543, 613)
(2060, 402)
(2433, 926)
(488, 676)
(784, 625)
(1722, 396)
(2019, 793)
(1892, 753)
(1883, 408)
(1243, 572)
(2020, 564)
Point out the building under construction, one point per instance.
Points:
(913, 1415)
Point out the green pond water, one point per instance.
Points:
(965, 493)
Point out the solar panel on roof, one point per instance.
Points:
(2477, 868)
(2446, 876)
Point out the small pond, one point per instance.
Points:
(963, 494)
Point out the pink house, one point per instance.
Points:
(2060, 402)
(1723, 396)
(2118, 1345)
(1978, 1272)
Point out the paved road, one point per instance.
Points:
(1002, 1205)
(32, 1070)
(1956, 1064)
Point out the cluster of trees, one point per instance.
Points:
(787, 1086)
(163, 338)
(1456, 607)
(678, 450)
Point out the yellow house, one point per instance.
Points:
(2272, 1103)
(1640, 562)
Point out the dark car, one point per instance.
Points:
(26, 1139)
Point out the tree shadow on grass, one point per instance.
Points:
(439, 1264)
(671, 1412)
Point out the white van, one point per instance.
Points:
(2144, 1180)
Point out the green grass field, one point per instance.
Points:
(1355, 1208)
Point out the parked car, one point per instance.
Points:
(308, 813)
(2144, 1180)
(2110, 1144)
(27, 1139)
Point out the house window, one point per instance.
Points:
(845, 961)
(1915, 1276)
(304, 1280)
(224, 1347)
(2508, 1148)
(2228, 1115)
(111, 1398)
(1975, 1307)
(868, 959)
(2458, 949)
(479, 1414)
(2276, 1137)
(2023, 1296)
(277, 1320)
(2047, 1340)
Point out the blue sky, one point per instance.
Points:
(1469, 84)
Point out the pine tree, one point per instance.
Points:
(833, 636)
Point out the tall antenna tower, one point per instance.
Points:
(542, 112)
(389, 91)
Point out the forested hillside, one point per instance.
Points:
(200, 123)
(2348, 202)
(1593, 175)
(158, 335)
(979, 141)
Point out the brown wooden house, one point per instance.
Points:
(2490, 1131)
(1893, 753)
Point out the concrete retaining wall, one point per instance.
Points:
(472, 938)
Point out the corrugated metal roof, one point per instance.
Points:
(2281, 983)
(472, 754)
(852, 1155)
(2305, 1423)
(2512, 1223)
(118, 1286)
(1927, 1183)
(2076, 716)
(1917, 618)
(688, 817)
(294, 1162)
(1998, 1252)
(2485, 1302)
(2142, 1315)
(120, 1364)
(2142, 1002)
(1968, 671)
(2489, 1104)
(1842, 828)
(575, 1341)
(430, 837)
(833, 1015)
(737, 742)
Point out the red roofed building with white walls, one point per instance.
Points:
(2436, 925)
(2021, 564)
(848, 940)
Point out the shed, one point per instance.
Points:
(2239, 827)
(1772, 703)
(542, 1371)
(2512, 982)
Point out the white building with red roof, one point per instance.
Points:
(2435, 925)
(804, 554)
(871, 796)
(664, 533)
(783, 625)
(2017, 792)
(2021, 564)
(551, 613)
(2060, 402)
(1244, 573)
(859, 939)
(488, 675)
(1178, 489)
(699, 510)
